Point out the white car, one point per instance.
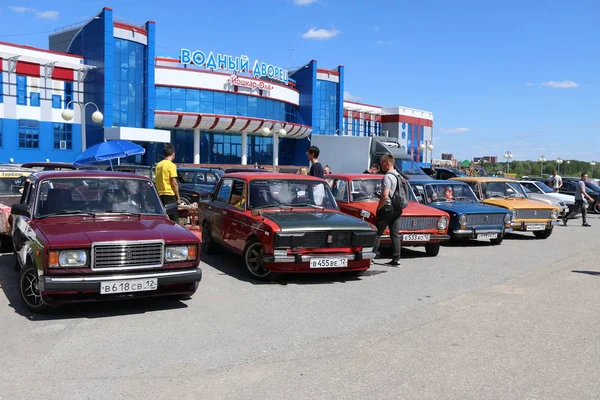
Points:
(540, 191)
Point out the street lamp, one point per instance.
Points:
(277, 131)
(568, 162)
(68, 114)
(426, 147)
(592, 164)
(558, 162)
(508, 156)
(542, 159)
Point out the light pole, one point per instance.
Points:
(67, 114)
(542, 159)
(558, 162)
(567, 163)
(508, 156)
(426, 147)
(592, 165)
(277, 131)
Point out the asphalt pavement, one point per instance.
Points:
(515, 321)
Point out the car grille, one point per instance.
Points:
(418, 223)
(127, 255)
(313, 240)
(486, 219)
(532, 214)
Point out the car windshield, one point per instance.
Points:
(11, 183)
(266, 193)
(96, 196)
(502, 189)
(369, 190)
(409, 167)
(543, 187)
(449, 192)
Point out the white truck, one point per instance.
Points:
(355, 154)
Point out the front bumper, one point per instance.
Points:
(386, 239)
(471, 233)
(522, 225)
(91, 283)
(303, 258)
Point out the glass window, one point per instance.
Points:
(69, 94)
(340, 190)
(219, 101)
(63, 133)
(1, 87)
(0, 128)
(224, 191)
(21, 90)
(35, 99)
(192, 100)
(56, 101)
(163, 92)
(290, 192)
(242, 105)
(29, 132)
(252, 106)
(128, 86)
(238, 194)
(230, 103)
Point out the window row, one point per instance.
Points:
(211, 102)
(128, 84)
(359, 127)
(326, 108)
(29, 135)
(34, 94)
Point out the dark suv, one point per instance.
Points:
(197, 183)
(570, 187)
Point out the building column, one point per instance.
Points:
(197, 146)
(275, 151)
(244, 148)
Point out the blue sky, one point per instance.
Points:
(511, 75)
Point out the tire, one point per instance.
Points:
(30, 292)
(597, 207)
(16, 264)
(186, 201)
(432, 249)
(254, 262)
(208, 243)
(497, 241)
(545, 234)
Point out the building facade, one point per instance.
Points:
(215, 108)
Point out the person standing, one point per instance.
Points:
(556, 181)
(581, 202)
(316, 169)
(166, 181)
(388, 216)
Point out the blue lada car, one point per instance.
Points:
(469, 219)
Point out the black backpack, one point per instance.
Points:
(400, 196)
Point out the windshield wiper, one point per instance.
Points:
(273, 205)
(124, 212)
(68, 212)
(309, 205)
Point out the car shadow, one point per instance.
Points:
(592, 273)
(467, 243)
(522, 236)
(9, 279)
(232, 265)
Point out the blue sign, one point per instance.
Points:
(239, 64)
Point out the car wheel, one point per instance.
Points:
(545, 234)
(497, 241)
(254, 260)
(208, 243)
(186, 201)
(432, 249)
(597, 207)
(30, 290)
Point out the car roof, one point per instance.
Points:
(85, 173)
(268, 175)
(481, 179)
(132, 166)
(354, 176)
(434, 181)
(232, 170)
(199, 169)
(57, 165)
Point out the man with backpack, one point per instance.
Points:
(394, 198)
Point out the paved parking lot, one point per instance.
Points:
(519, 320)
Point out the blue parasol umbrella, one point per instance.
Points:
(108, 151)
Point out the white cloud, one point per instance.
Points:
(320, 34)
(350, 97)
(560, 85)
(454, 130)
(304, 2)
(384, 42)
(43, 14)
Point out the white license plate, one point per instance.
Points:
(487, 236)
(535, 227)
(130, 286)
(328, 262)
(415, 238)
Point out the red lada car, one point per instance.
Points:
(283, 223)
(97, 235)
(358, 195)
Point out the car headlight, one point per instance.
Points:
(462, 219)
(181, 253)
(442, 223)
(508, 218)
(67, 259)
(554, 214)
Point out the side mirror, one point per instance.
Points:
(21, 209)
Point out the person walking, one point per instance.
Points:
(166, 181)
(556, 181)
(390, 207)
(581, 202)
(316, 169)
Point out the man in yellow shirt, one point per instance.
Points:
(166, 180)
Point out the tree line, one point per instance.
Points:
(572, 168)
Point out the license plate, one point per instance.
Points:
(129, 286)
(415, 238)
(535, 227)
(487, 236)
(328, 262)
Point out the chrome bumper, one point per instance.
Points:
(431, 237)
(473, 232)
(523, 225)
(300, 258)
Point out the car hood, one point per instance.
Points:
(82, 233)
(413, 209)
(302, 221)
(522, 204)
(465, 207)
(543, 198)
(562, 197)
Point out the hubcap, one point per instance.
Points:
(255, 260)
(30, 289)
